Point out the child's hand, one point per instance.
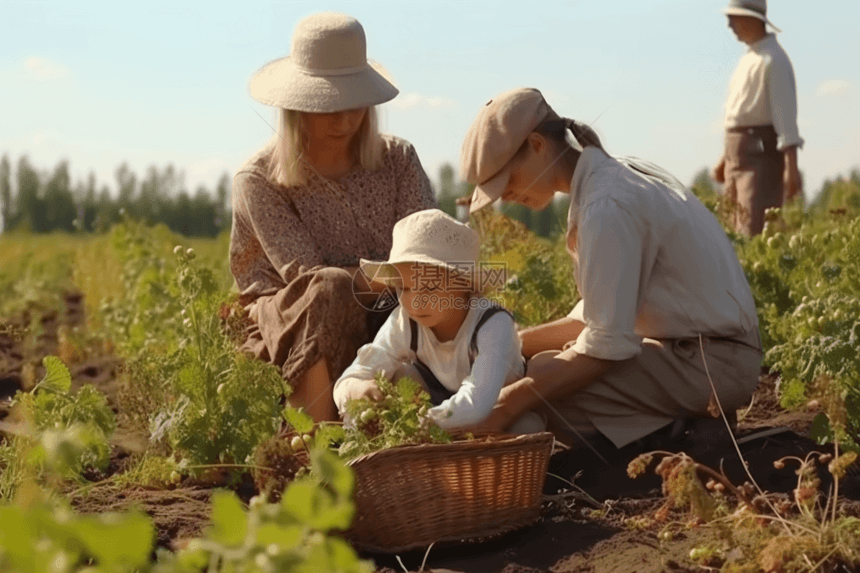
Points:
(358, 388)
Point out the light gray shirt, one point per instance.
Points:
(651, 260)
(763, 92)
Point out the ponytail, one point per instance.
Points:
(555, 129)
(583, 133)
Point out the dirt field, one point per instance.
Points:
(570, 536)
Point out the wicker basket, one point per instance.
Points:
(412, 496)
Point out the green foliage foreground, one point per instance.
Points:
(39, 535)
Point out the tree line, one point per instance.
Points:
(41, 201)
(44, 201)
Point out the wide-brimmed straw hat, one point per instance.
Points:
(754, 8)
(327, 70)
(493, 139)
(429, 237)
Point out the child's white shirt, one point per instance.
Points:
(498, 362)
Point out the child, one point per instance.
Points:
(463, 347)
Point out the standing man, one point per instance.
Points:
(759, 162)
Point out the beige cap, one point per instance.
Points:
(495, 137)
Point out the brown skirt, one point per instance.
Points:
(316, 316)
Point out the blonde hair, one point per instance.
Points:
(287, 166)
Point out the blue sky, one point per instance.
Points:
(99, 83)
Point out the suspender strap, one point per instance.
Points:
(438, 392)
(413, 341)
(473, 344)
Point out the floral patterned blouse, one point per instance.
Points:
(331, 223)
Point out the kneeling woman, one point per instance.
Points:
(666, 329)
(322, 194)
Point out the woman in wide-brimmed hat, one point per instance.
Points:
(666, 330)
(317, 198)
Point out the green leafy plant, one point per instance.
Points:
(396, 420)
(34, 274)
(39, 535)
(801, 270)
(536, 273)
(542, 288)
(296, 535)
(57, 429)
(184, 380)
